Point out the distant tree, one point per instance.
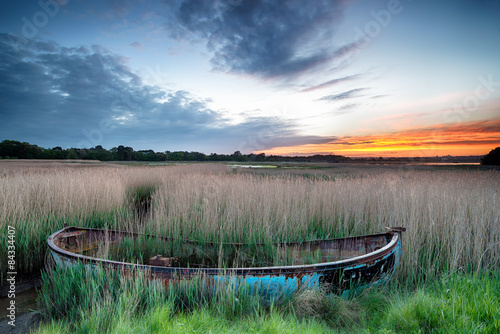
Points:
(102, 154)
(23, 150)
(260, 157)
(16, 149)
(214, 157)
(56, 153)
(124, 153)
(71, 154)
(197, 156)
(176, 156)
(492, 158)
(10, 148)
(237, 156)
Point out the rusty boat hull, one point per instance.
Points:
(346, 264)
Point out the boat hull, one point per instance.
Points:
(364, 261)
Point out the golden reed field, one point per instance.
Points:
(452, 216)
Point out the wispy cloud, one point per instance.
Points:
(345, 109)
(342, 96)
(329, 83)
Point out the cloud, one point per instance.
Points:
(267, 38)
(136, 45)
(330, 83)
(349, 106)
(345, 109)
(342, 96)
(86, 96)
(263, 133)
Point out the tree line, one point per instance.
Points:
(11, 149)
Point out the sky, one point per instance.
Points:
(406, 78)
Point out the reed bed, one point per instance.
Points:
(38, 198)
(452, 244)
(452, 217)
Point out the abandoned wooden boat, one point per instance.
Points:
(340, 265)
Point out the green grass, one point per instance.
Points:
(457, 303)
(140, 197)
(79, 300)
(161, 320)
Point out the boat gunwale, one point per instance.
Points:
(321, 266)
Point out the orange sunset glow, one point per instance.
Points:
(476, 138)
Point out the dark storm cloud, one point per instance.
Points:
(342, 96)
(262, 37)
(86, 96)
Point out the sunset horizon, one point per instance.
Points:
(473, 139)
(353, 78)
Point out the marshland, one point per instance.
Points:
(448, 278)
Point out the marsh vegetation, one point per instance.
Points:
(448, 274)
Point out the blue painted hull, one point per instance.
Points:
(375, 258)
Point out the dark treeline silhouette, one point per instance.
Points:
(11, 149)
(492, 158)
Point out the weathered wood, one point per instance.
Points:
(161, 261)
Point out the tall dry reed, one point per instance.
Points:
(37, 198)
(452, 217)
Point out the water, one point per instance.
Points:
(252, 166)
(445, 163)
(25, 303)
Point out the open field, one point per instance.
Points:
(452, 219)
